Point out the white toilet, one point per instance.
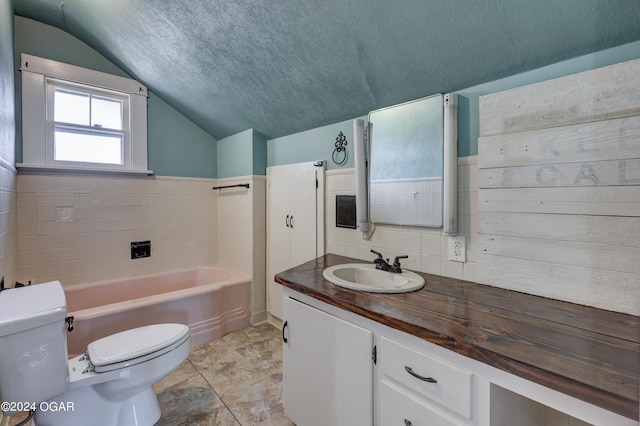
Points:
(111, 384)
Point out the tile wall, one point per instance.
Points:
(8, 224)
(242, 235)
(427, 248)
(413, 201)
(78, 228)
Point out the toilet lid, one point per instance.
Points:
(135, 343)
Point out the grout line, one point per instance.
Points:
(214, 391)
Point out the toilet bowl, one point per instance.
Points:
(111, 384)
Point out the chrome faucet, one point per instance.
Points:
(383, 264)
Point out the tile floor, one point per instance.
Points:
(235, 380)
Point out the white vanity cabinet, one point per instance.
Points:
(415, 386)
(422, 376)
(397, 407)
(327, 368)
(332, 377)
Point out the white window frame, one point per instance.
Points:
(38, 77)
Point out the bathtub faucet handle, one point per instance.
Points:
(69, 321)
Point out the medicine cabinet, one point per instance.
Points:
(412, 159)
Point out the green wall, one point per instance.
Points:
(468, 110)
(242, 154)
(318, 143)
(176, 146)
(312, 145)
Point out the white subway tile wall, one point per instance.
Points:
(78, 228)
(8, 225)
(427, 248)
(411, 201)
(242, 235)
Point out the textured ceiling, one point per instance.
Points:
(285, 66)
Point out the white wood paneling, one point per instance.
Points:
(559, 227)
(602, 201)
(600, 94)
(585, 286)
(593, 173)
(601, 140)
(559, 188)
(571, 253)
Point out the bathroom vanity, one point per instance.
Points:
(452, 353)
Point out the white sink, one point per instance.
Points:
(365, 277)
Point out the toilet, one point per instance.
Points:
(111, 384)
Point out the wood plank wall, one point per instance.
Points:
(559, 188)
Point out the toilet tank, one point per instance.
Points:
(33, 343)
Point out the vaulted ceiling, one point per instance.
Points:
(284, 66)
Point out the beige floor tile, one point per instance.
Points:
(193, 402)
(243, 369)
(233, 381)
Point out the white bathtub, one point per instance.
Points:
(212, 301)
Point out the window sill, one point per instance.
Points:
(80, 169)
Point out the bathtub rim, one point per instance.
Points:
(236, 278)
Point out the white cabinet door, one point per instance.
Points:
(293, 206)
(278, 238)
(327, 369)
(303, 217)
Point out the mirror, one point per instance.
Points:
(406, 163)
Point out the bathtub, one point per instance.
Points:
(212, 301)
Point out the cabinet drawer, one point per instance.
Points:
(400, 409)
(450, 386)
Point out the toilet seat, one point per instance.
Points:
(135, 346)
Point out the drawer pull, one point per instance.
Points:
(407, 422)
(417, 376)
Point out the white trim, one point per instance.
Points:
(471, 160)
(35, 72)
(8, 166)
(186, 178)
(74, 169)
(338, 172)
(77, 74)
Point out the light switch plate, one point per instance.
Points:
(457, 249)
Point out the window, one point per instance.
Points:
(85, 125)
(80, 119)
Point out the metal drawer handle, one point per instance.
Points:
(284, 339)
(417, 376)
(407, 422)
(286, 221)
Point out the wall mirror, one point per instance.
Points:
(406, 163)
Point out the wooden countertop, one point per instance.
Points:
(588, 353)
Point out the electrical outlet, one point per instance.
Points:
(457, 249)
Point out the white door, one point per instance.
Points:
(303, 217)
(327, 369)
(295, 222)
(278, 238)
